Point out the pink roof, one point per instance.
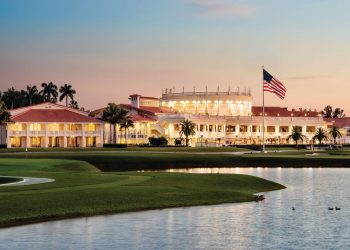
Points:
(151, 110)
(339, 122)
(53, 115)
(140, 118)
(284, 112)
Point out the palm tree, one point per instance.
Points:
(49, 92)
(327, 112)
(67, 92)
(4, 116)
(296, 135)
(188, 128)
(125, 124)
(114, 115)
(73, 104)
(335, 133)
(31, 93)
(320, 135)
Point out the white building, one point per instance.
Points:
(51, 125)
(221, 117)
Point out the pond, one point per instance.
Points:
(270, 224)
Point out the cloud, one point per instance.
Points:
(222, 8)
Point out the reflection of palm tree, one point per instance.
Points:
(49, 92)
(125, 124)
(188, 128)
(296, 135)
(335, 133)
(67, 92)
(320, 135)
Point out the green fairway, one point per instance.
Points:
(80, 189)
(146, 160)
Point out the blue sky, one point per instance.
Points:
(110, 49)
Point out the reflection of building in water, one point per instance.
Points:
(222, 117)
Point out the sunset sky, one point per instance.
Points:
(110, 49)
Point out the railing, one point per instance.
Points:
(212, 93)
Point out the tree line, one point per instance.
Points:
(49, 92)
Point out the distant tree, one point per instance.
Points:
(328, 112)
(4, 114)
(296, 135)
(49, 92)
(31, 94)
(335, 133)
(188, 128)
(125, 124)
(67, 92)
(114, 115)
(320, 135)
(338, 113)
(73, 104)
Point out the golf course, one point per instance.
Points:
(100, 181)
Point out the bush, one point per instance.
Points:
(112, 145)
(158, 141)
(178, 141)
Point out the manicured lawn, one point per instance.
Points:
(81, 190)
(130, 148)
(131, 160)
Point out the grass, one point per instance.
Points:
(80, 189)
(130, 148)
(132, 161)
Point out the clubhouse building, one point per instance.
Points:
(221, 118)
(51, 125)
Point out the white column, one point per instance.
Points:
(65, 135)
(83, 139)
(101, 136)
(46, 141)
(8, 141)
(27, 136)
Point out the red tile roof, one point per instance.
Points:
(339, 122)
(140, 118)
(53, 115)
(284, 112)
(147, 109)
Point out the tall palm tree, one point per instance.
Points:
(31, 93)
(320, 135)
(125, 124)
(67, 92)
(335, 133)
(188, 128)
(296, 135)
(49, 92)
(114, 115)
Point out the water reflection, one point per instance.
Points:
(270, 224)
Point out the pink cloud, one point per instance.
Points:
(221, 8)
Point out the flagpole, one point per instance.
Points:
(263, 127)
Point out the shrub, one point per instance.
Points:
(178, 141)
(117, 145)
(158, 141)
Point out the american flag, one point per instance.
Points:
(273, 85)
